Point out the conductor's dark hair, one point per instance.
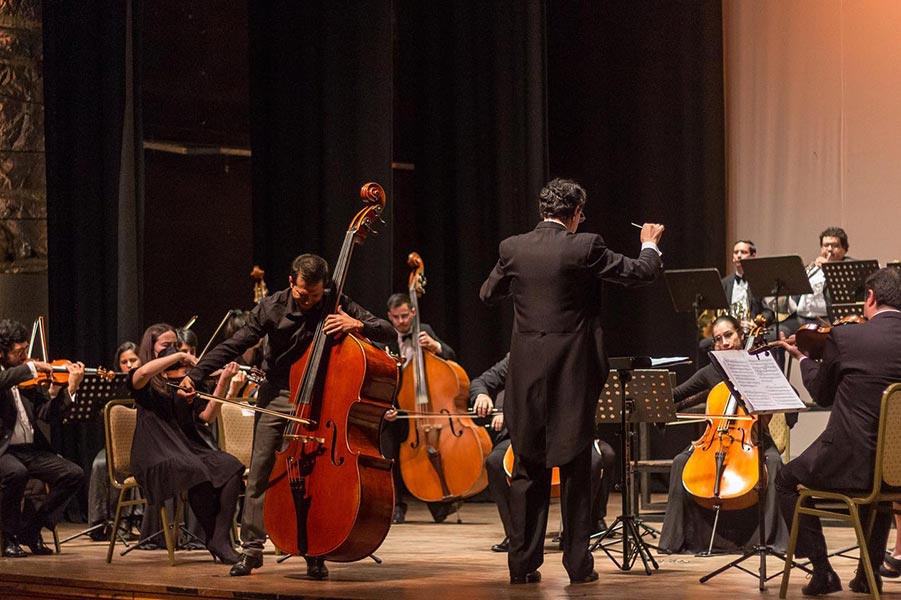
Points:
(310, 268)
(11, 333)
(398, 299)
(886, 286)
(560, 198)
(836, 232)
(752, 247)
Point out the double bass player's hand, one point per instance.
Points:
(483, 405)
(429, 343)
(339, 323)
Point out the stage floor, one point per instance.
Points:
(421, 559)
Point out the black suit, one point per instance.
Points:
(21, 462)
(859, 362)
(754, 305)
(558, 367)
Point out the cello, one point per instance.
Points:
(331, 494)
(443, 457)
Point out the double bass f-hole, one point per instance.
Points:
(450, 422)
(335, 460)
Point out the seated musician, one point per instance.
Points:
(401, 314)
(859, 362)
(490, 384)
(687, 526)
(24, 451)
(169, 456)
(811, 308)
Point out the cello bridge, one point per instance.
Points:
(305, 438)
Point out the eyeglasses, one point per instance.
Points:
(20, 352)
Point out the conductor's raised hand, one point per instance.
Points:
(651, 232)
(340, 322)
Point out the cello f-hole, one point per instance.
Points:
(335, 461)
(450, 421)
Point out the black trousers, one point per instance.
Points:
(23, 462)
(529, 499)
(811, 543)
(603, 465)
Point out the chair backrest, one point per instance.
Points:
(119, 419)
(236, 432)
(888, 444)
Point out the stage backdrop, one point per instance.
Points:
(813, 124)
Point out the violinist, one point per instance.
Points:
(24, 452)
(289, 318)
(859, 362)
(169, 456)
(558, 368)
(486, 394)
(400, 313)
(687, 526)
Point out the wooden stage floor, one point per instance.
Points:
(421, 559)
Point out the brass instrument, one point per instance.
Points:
(740, 310)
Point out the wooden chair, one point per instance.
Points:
(887, 472)
(119, 419)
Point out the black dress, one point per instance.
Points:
(168, 456)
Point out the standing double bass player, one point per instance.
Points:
(289, 318)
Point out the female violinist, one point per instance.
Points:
(687, 526)
(168, 455)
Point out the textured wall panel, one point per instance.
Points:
(23, 196)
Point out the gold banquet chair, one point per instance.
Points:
(236, 438)
(119, 420)
(887, 472)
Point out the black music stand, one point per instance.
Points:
(696, 290)
(895, 265)
(778, 276)
(646, 397)
(93, 394)
(845, 280)
(761, 549)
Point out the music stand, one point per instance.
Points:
(645, 397)
(93, 394)
(845, 282)
(696, 290)
(761, 550)
(894, 265)
(777, 276)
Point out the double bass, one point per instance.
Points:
(443, 457)
(330, 494)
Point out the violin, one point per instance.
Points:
(811, 338)
(60, 375)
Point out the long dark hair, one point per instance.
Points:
(145, 352)
(125, 347)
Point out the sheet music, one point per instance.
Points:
(669, 361)
(759, 380)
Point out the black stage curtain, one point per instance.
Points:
(321, 89)
(635, 113)
(92, 191)
(471, 86)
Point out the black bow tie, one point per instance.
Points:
(739, 279)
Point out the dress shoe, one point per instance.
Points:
(822, 582)
(224, 553)
(12, 549)
(891, 568)
(533, 577)
(246, 564)
(400, 513)
(502, 547)
(37, 546)
(860, 585)
(593, 576)
(441, 512)
(316, 568)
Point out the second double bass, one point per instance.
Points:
(443, 457)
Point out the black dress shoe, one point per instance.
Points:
(593, 576)
(246, 564)
(400, 513)
(533, 577)
(37, 546)
(316, 568)
(502, 547)
(822, 582)
(12, 549)
(891, 568)
(860, 585)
